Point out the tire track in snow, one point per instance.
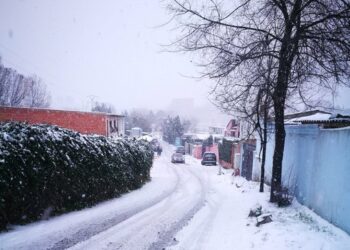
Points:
(166, 238)
(96, 228)
(150, 226)
(202, 227)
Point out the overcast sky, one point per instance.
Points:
(110, 50)
(103, 49)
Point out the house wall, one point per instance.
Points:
(214, 149)
(121, 126)
(232, 129)
(83, 122)
(197, 151)
(316, 167)
(115, 125)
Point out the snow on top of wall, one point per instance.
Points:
(314, 117)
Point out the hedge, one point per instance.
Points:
(45, 168)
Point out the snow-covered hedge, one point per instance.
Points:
(45, 168)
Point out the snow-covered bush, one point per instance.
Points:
(47, 168)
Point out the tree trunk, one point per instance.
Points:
(276, 182)
(279, 99)
(262, 172)
(287, 53)
(263, 144)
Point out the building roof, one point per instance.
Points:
(304, 114)
(62, 110)
(232, 138)
(326, 119)
(311, 117)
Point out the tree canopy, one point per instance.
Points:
(267, 50)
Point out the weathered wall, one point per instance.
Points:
(83, 122)
(214, 149)
(197, 151)
(316, 166)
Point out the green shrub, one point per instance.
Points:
(47, 168)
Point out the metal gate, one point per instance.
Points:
(247, 161)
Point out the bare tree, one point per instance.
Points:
(308, 42)
(12, 87)
(17, 90)
(5, 74)
(37, 95)
(102, 107)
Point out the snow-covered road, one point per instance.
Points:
(185, 206)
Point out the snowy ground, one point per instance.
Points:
(185, 206)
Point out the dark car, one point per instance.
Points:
(180, 149)
(209, 159)
(177, 158)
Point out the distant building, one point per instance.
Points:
(216, 130)
(136, 132)
(83, 122)
(233, 129)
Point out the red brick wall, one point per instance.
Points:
(83, 122)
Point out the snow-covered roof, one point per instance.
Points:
(313, 117)
(48, 109)
(318, 117)
(202, 136)
(231, 138)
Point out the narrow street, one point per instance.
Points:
(185, 206)
(145, 218)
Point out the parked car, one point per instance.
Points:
(180, 149)
(209, 158)
(177, 158)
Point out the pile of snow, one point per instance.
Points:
(224, 221)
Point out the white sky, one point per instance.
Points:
(108, 49)
(103, 48)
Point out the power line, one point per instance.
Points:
(34, 67)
